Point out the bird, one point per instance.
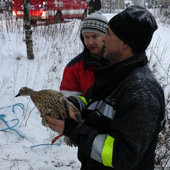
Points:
(52, 103)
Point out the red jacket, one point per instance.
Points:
(78, 76)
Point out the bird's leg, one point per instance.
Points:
(57, 137)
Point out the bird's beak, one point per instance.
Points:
(17, 95)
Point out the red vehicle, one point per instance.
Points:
(52, 10)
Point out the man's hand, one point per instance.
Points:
(55, 124)
(58, 125)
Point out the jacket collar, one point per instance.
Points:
(112, 71)
(90, 60)
(107, 78)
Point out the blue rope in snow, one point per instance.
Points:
(55, 144)
(13, 107)
(20, 105)
(2, 117)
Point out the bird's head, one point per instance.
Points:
(24, 91)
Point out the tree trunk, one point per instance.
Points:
(28, 31)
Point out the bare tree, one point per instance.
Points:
(28, 31)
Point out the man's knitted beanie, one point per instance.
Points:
(135, 26)
(96, 23)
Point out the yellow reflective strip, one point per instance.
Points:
(107, 151)
(83, 99)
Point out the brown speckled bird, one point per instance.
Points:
(52, 103)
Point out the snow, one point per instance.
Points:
(23, 144)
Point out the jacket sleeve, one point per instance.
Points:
(80, 134)
(69, 84)
(97, 146)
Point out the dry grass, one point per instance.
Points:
(162, 72)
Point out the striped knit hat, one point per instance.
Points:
(96, 23)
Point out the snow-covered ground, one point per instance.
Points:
(24, 142)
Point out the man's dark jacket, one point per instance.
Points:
(131, 90)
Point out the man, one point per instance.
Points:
(94, 5)
(126, 107)
(78, 75)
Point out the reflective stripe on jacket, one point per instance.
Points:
(102, 147)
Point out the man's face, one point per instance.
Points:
(94, 43)
(113, 44)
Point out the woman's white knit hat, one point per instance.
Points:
(96, 23)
